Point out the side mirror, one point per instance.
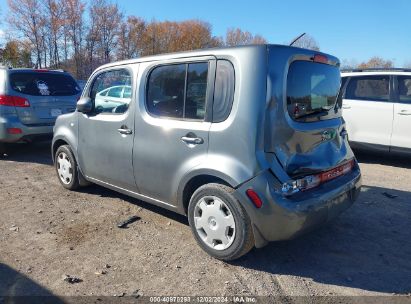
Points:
(85, 105)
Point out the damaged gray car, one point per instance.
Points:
(248, 142)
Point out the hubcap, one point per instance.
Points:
(214, 222)
(64, 168)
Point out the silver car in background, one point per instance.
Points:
(31, 100)
(248, 142)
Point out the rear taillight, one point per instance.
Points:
(312, 181)
(14, 101)
(14, 131)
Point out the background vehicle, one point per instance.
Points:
(377, 108)
(31, 100)
(248, 142)
(81, 83)
(113, 99)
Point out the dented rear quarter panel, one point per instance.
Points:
(300, 147)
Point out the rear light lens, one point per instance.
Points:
(320, 58)
(312, 181)
(14, 101)
(255, 199)
(14, 131)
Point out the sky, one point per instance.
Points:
(350, 29)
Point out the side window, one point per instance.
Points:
(106, 92)
(165, 95)
(373, 88)
(223, 90)
(404, 88)
(178, 91)
(196, 90)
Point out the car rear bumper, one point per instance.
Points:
(282, 218)
(28, 132)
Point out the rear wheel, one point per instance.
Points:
(66, 168)
(219, 223)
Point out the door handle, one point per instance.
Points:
(404, 112)
(125, 131)
(192, 140)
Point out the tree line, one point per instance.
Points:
(79, 36)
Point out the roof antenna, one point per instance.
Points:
(296, 39)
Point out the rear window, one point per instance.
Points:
(312, 88)
(372, 88)
(44, 84)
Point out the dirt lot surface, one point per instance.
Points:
(47, 232)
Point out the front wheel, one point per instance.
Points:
(66, 168)
(219, 223)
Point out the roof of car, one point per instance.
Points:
(206, 52)
(32, 70)
(375, 71)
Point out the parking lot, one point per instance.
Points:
(48, 232)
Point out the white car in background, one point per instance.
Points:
(377, 108)
(113, 99)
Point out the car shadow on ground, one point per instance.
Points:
(39, 152)
(381, 158)
(17, 288)
(368, 247)
(104, 192)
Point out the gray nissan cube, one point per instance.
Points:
(248, 142)
(31, 100)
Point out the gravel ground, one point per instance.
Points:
(47, 233)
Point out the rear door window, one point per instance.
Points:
(223, 90)
(404, 89)
(44, 84)
(178, 91)
(371, 88)
(312, 88)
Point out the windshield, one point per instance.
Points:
(312, 88)
(44, 84)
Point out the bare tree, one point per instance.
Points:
(74, 25)
(108, 20)
(376, 62)
(25, 17)
(307, 42)
(54, 24)
(59, 34)
(236, 37)
(131, 36)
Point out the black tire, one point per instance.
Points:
(243, 240)
(73, 184)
